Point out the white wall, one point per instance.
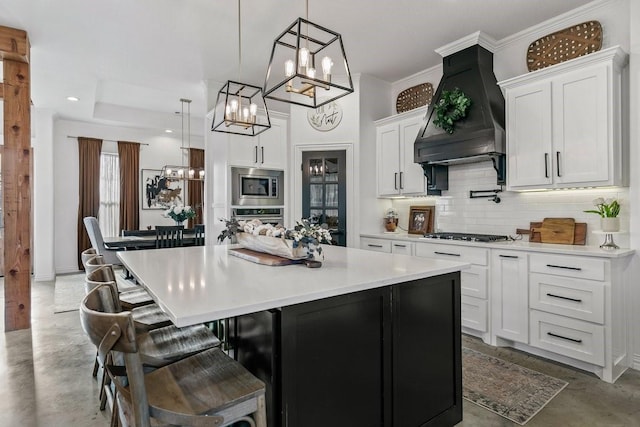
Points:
(634, 91)
(162, 149)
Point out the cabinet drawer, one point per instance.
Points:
(473, 281)
(569, 337)
(478, 256)
(580, 299)
(569, 266)
(400, 247)
(474, 313)
(379, 245)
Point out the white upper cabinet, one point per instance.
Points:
(397, 173)
(564, 124)
(267, 150)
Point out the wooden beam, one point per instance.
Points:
(14, 44)
(1, 90)
(16, 177)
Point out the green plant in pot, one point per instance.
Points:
(451, 107)
(608, 210)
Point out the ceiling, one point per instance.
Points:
(123, 56)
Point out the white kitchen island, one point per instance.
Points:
(367, 339)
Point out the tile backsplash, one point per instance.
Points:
(456, 211)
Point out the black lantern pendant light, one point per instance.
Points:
(240, 107)
(308, 66)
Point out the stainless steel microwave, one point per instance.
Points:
(257, 187)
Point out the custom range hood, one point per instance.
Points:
(468, 65)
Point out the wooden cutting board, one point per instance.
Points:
(579, 234)
(557, 230)
(263, 258)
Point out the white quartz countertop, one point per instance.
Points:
(204, 283)
(522, 245)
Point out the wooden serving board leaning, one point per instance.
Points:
(557, 230)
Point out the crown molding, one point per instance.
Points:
(483, 39)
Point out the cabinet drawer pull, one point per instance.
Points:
(508, 256)
(564, 338)
(262, 154)
(256, 153)
(546, 165)
(401, 184)
(562, 297)
(399, 246)
(395, 180)
(564, 267)
(445, 253)
(558, 163)
(371, 245)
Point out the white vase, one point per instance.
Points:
(610, 225)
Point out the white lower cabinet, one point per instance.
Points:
(510, 295)
(577, 310)
(473, 282)
(387, 246)
(569, 337)
(401, 247)
(566, 307)
(378, 245)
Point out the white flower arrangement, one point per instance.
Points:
(304, 234)
(179, 213)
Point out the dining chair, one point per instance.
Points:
(199, 235)
(205, 389)
(97, 241)
(169, 236)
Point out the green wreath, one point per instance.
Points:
(451, 107)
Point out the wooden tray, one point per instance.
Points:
(414, 97)
(569, 43)
(579, 236)
(263, 258)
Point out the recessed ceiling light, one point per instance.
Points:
(168, 131)
(73, 98)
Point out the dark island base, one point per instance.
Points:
(384, 357)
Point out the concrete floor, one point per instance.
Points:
(45, 380)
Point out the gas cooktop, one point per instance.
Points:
(470, 237)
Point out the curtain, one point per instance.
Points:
(88, 186)
(109, 215)
(129, 154)
(196, 188)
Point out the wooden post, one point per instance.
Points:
(16, 177)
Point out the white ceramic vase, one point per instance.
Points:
(610, 225)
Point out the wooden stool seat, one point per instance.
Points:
(205, 389)
(149, 317)
(135, 298)
(162, 346)
(208, 383)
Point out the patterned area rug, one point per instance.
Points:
(504, 388)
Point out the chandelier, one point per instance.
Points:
(240, 107)
(293, 75)
(174, 172)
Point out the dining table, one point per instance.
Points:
(367, 339)
(143, 241)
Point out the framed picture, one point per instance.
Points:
(158, 192)
(421, 219)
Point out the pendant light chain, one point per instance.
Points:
(239, 45)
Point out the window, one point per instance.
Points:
(109, 214)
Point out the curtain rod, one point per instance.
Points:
(109, 140)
